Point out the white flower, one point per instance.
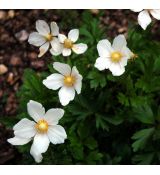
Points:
(113, 57)
(43, 130)
(69, 80)
(45, 36)
(144, 18)
(68, 44)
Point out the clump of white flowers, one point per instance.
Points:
(45, 37)
(43, 130)
(69, 80)
(113, 57)
(68, 44)
(144, 18)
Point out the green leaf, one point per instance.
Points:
(141, 138)
(91, 143)
(144, 114)
(97, 79)
(143, 159)
(101, 123)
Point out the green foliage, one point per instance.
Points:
(115, 120)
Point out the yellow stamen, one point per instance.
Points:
(116, 56)
(69, 80)
(49, 37)
(68, 43)
(42, 126)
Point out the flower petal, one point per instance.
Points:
(62, 68)
(66, 94)
(123, 61)
(35, 110)
(42, 27)
(39, 146)
(104, 48)
(127, 54)
(119, 42)
(61, 38)
(102, 63)
(18, 141)
(54, 81)
(66, 52)
(53, 52)
(155, 13)
(116, 69)
(78, 83)
(57, 134)
(43, 49)
(54, 115)
(56, 46)
(79, 48)
(137, 10)
(37, 156)
(54, 29)
(36, 39)
(25, 129)
(144, 19)
(73, 35)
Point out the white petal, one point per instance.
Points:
(43, 49)
(119, 42)
(137, 10)
(78, 86)
(57, 134)
(66, 52)
(62, 68)
(35, 110)
(116, 69)
(79, 48)
(78, 83)
(54, 52)
(56, 46)
(102, 63)
(73, 35)
(54, 29)
(54, 115)
(18, 141)
(40, 144)
(127, 54)
(25, 128)
(66, 94)
(104, 48)
(123, 61)
(42, 27)
(54, 81)
(36, 39)
(144, 19)
(76, 73)
(37, 156)
(61, 38)
(155, 13)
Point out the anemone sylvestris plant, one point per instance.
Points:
(110, 95)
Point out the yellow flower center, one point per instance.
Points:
(68, 43)
(42, 126)
(69, 80)
(116, 56)
(49, 37)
